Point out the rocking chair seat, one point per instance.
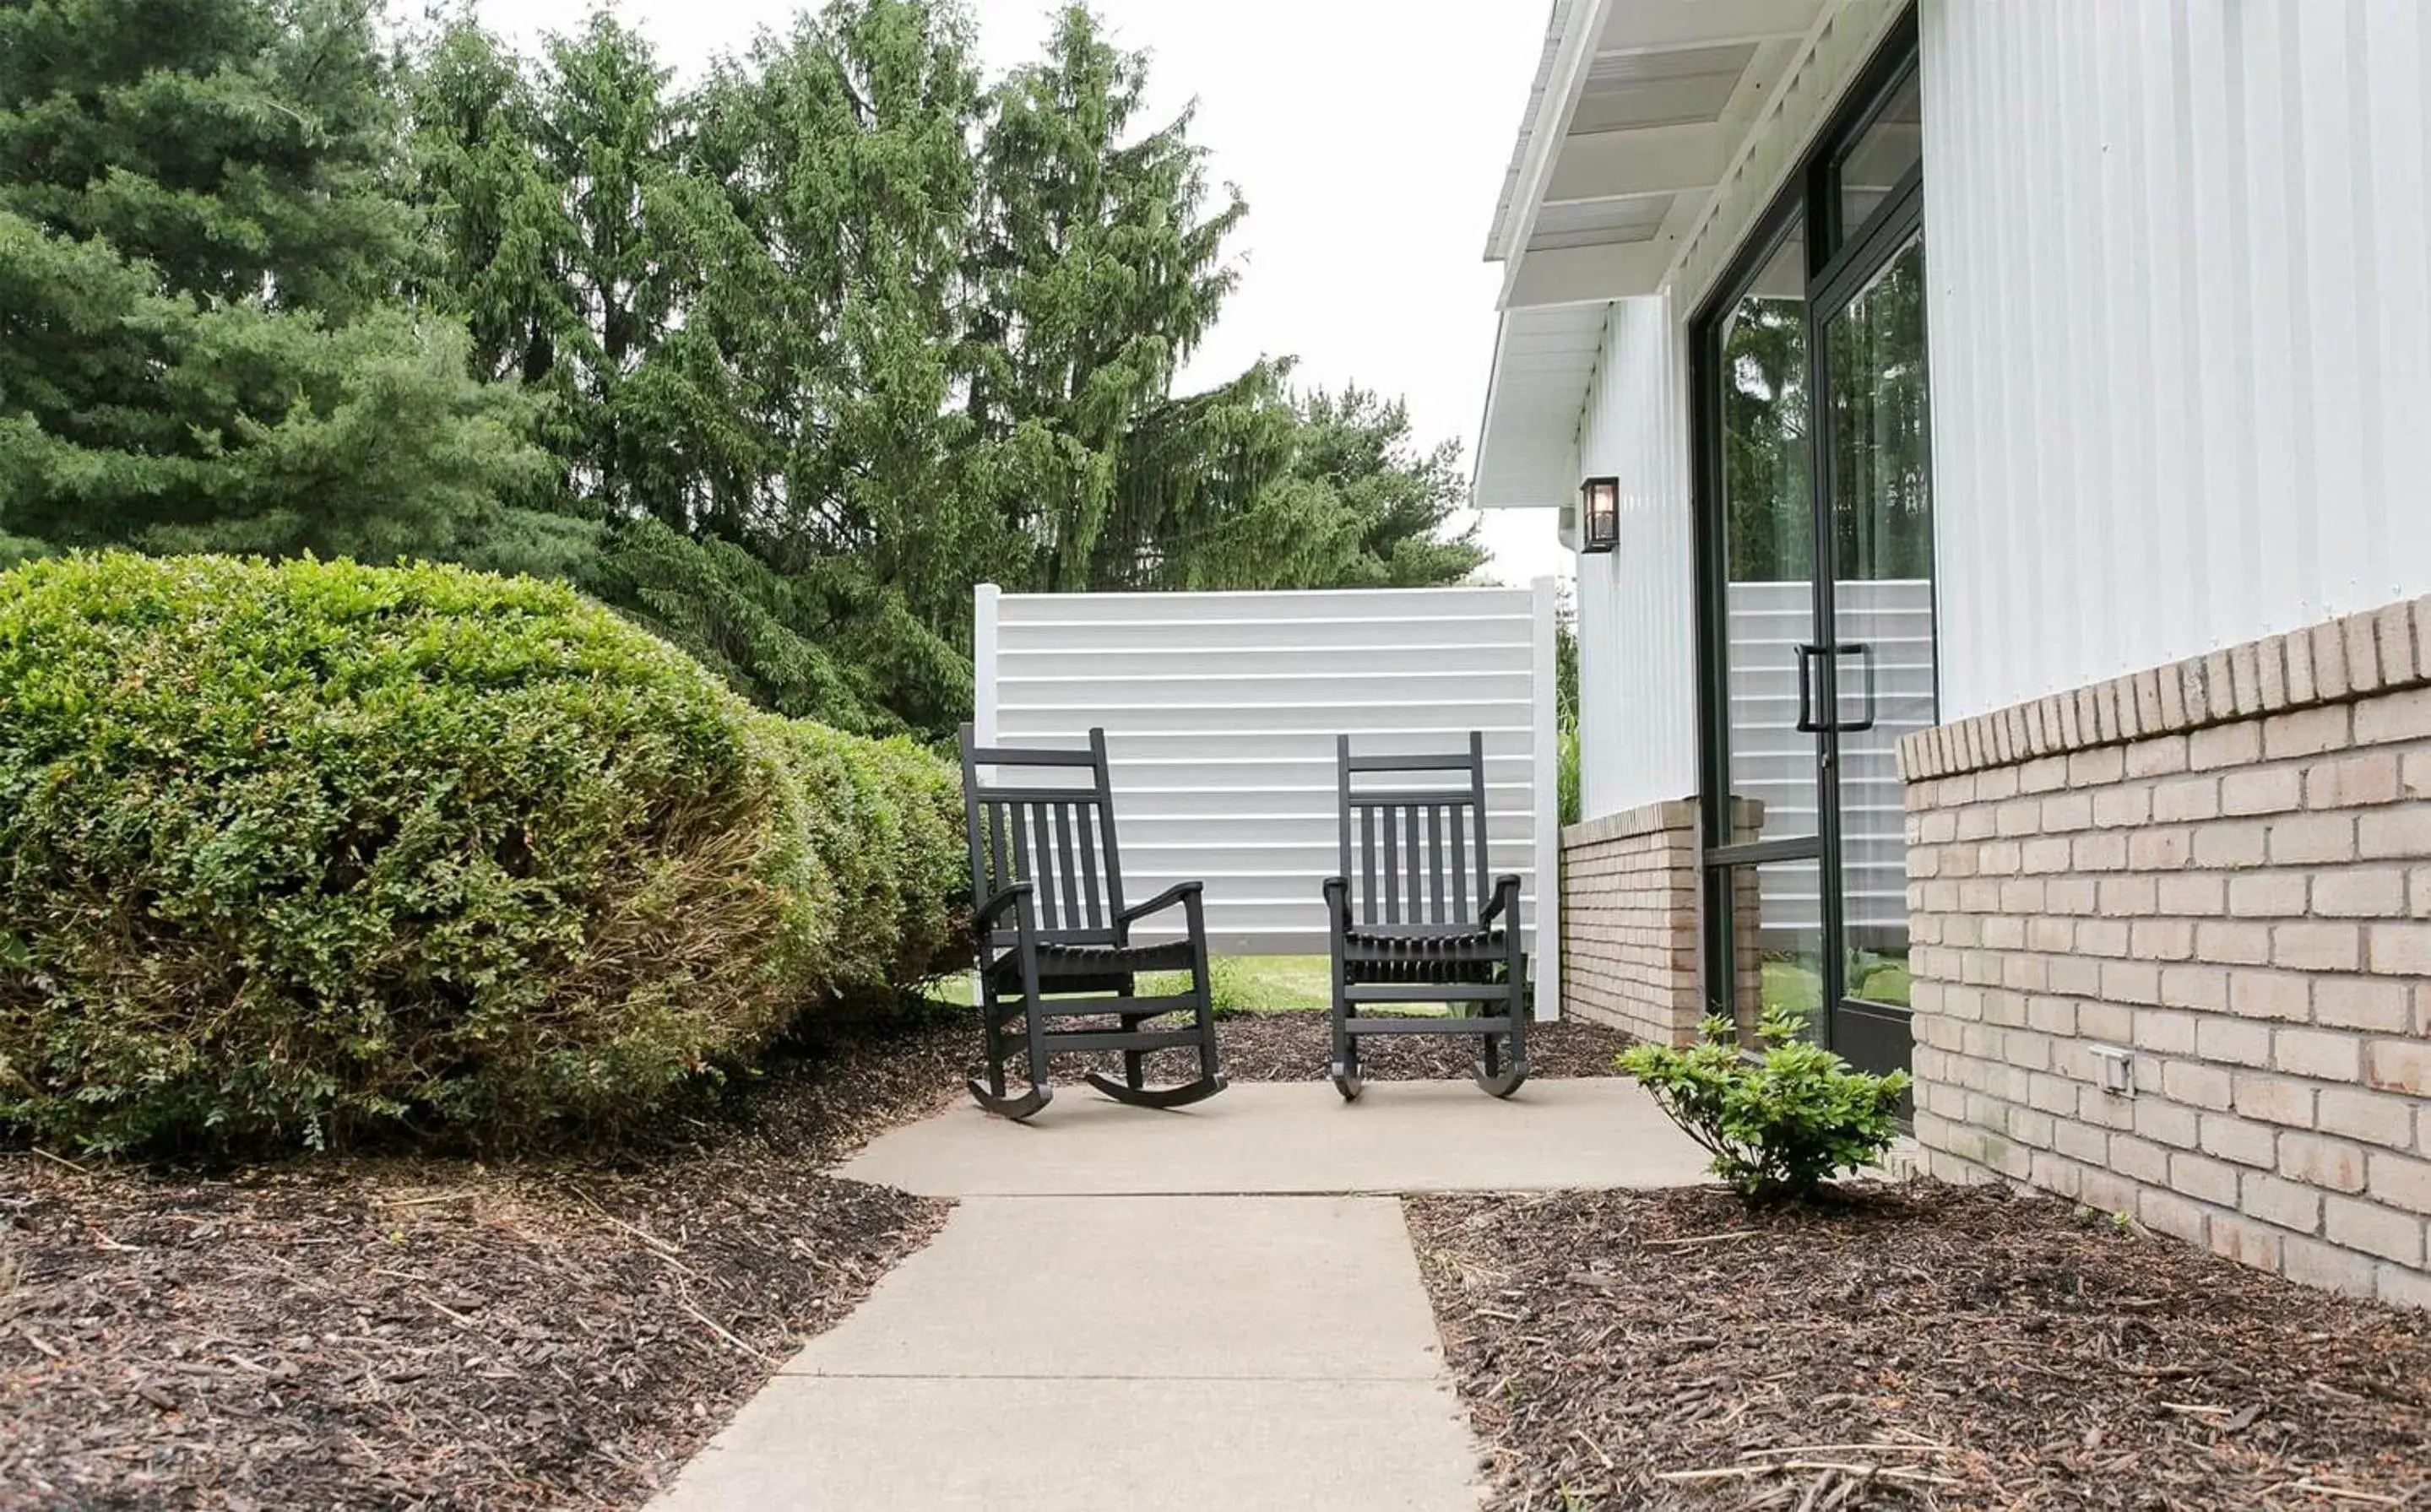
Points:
(1378, 952)
(1385, 942)
(1058, 962)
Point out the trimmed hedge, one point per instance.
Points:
(296, 852)
(886, 822)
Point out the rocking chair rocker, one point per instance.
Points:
(1420, 926)
(1054, 940)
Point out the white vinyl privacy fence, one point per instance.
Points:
(1222, 712)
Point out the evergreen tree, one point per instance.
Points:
(1095, 273)
(547, 190)
(1257, 491)
(1399, 501)
(194, 247)
(495, 219)
(811, 346)
(829, 284)
(239, 147)
(607, 136)
(742, 300)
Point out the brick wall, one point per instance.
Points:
(2222, 868)
(1628, 921)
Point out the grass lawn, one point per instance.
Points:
(1258, 984)
(1799, 989)
(1243, 984)
(1792, 987)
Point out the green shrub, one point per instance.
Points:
(292, 851)
(1780, 1124)
(885, 821)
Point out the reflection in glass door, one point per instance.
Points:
(1771, 749)
(1880, 544)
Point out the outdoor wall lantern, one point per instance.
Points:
(1599, 515)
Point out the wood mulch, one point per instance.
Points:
(1917, 1345)
(433, 1332)
(1299, 1047)
(1288, 1047)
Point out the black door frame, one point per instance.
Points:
(1837, 271)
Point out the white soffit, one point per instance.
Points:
(1636, 113)
(1543, 360)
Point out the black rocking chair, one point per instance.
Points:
(1053, 938)
(1413, 920)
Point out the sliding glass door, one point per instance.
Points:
(1816, 535)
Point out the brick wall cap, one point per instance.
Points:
(2194, 694)
(1648, 819)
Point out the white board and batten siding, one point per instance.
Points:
(1222, 712)
(1637, 623)
(2180, 292)
(2181, 313)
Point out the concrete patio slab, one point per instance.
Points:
(1298, 1136)
(858, 1444)
(1176, 1353)
(1207, 1288)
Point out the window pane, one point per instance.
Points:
(1882, 599)
(1880, 157)
(1775, 927)
(1768, 552)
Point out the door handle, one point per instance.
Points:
(1807, 722)
(1806, 655)
(1855, 648)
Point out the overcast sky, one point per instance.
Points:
(1369, 136)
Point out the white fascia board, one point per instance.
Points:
(1637, 27)
(1572, 62)
(1495, 394)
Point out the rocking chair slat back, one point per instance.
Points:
(1415, 856)
(1023, 827)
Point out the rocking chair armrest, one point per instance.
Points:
(1337, 898)
(986, 913)
(1506, 899)
(1179, 893)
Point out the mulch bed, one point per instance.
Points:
(1299, 1047)
(1291, 1047)
(1919, 1345)
(431, 1333)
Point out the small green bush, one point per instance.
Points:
(1780, 1124)
(290, 852)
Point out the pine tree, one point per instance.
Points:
(1097, 274)
(196, 251)
(607, 138)
(237, 146)
(829, 282)
(547, 186)
(1248, 486)
(495, 219)
(1399, 501)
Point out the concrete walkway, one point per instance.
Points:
(1126, 1310)
(1298, 1137)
